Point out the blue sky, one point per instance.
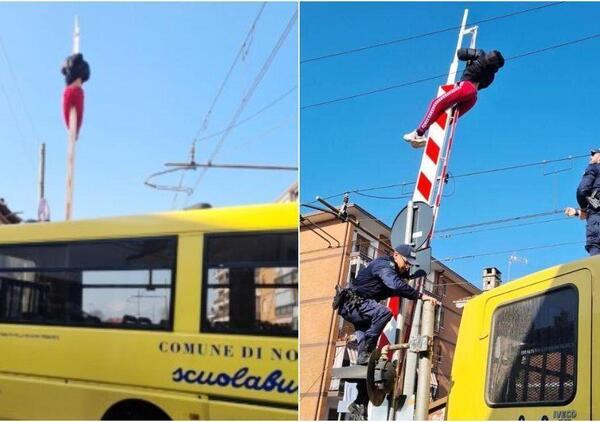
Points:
(155, 68)
(541, 107)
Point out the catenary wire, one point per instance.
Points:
(450, 235)
(531, 248)
(502, 221)
(443, 75)
(426, 34)
(205, 120)
(456, 176)
(246, 99)
(11, 109)
(252, 116)
(18, 89)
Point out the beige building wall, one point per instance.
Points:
(321, 267)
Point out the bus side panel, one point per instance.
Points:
(243, 367)
(188, 284)
(595, 405)
(76, 400)
(467, 380)
(37, 398)
(469, 398)
(230, 410)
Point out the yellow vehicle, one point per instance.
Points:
(526, 349)
(181, 315)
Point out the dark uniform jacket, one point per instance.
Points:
(481, 67)
(589, 182)
(380, 280)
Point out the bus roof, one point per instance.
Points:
(591, 263)
(241, 218)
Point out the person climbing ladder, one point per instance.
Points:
(478, 74)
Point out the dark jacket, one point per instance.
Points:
(589, 182)
(380, 280)
(481, 66)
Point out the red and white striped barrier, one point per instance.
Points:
(430, 163)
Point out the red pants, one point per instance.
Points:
(463, 96)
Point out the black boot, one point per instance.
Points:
(363, 358)
(357, 412)
(365, 353)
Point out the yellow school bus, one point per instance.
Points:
(526, 349)
(180, 315)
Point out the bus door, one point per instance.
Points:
(539, 350)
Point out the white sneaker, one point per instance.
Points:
(415, 140)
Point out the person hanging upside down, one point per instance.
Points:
(479, 74)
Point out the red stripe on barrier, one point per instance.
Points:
(442, 120)
(432, 150)
(424, 186)
(394, 305)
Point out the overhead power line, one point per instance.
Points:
(426, 34)
(360, 191)
(240, 54)
(28, 153)
(487, 229)
(444, 75)
(502, 221)
(531, 248)
(17, 86)
(246, 99)
(277, 100)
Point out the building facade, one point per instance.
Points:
(332, 252)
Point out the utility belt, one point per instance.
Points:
(594, 201)
(346, 296)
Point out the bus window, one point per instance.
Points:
(533, 358)
(251, 284)
(123, 283)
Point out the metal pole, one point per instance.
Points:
(411, 362)
(232, 166)
(42, 170)
(410, 215)
(76, 36)
(72, 139)
(454, 65)
(424, 383)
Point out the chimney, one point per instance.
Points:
(492, 278)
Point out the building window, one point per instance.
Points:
(124, 283)
(439, 289)
(363, 247)
(436, 359)
(533, 346)
(439, 318)
(251, 284)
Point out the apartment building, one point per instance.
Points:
(332, 252)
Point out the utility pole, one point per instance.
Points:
(43, 208)
(72, 138)
(42, 169)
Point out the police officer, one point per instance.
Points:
(360, 305)
(588, 198)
